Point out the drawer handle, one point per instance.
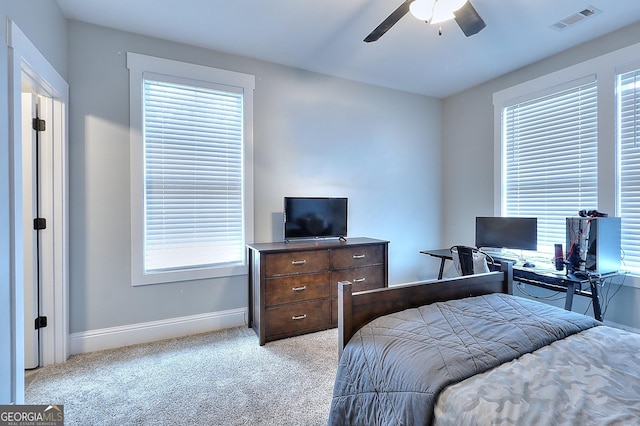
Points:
(359, 280)
(298, 262)
(299, 317)
(304, 287)
(359, 256)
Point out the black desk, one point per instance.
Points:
(442, 254)
(546, 278)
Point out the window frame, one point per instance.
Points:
(138, 65)
(605, 69)
(621, 152)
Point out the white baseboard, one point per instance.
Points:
(115, 337)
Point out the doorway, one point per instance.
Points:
(31, 75)
(37, 155)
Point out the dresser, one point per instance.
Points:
(293, 287)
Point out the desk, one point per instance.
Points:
(546, 278)
(442, 254)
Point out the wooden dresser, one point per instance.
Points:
(293, 287)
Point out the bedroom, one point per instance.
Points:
(298, 135)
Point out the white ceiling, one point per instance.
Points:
(326, 36)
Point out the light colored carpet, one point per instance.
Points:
(218, 378)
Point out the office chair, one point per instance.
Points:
(470, 260)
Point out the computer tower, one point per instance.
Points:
(593, 244)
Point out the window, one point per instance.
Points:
(550, 158)
(591, 154)
(191, 175)
(628, 137)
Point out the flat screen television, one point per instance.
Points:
(520, 233)
(315, 217)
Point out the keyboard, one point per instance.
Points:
(502, 259)
(544, 277)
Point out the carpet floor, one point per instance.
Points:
(219, 378)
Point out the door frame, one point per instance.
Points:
(28, 66)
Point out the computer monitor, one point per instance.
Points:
(519, 233)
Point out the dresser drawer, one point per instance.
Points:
(357, 256)
(298, 317)
(365, 278)
(293, 287)
(297, 288)
(296, 262)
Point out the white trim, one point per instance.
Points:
(27, 65)
(115, 337)
(605, 64)
(33, 67)
(138, 65)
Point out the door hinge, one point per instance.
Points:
(39, 223)
(39, 125)
(41, 322)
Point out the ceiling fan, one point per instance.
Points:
(433, 12)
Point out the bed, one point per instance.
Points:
(465, 351)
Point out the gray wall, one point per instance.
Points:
(468, 155)
(45, 25)
(313, 135)
(413, 175)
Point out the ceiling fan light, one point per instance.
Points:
(422, 9)
(443, 10)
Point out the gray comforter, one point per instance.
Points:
(581, 380)
(393, 369)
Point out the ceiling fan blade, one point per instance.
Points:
(468, 19)
(389, 22)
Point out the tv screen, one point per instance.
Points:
(315, 217)
(519, 233)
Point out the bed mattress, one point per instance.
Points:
(590, 378)
(394, 368)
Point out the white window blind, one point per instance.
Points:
(628, 134)
(193, 176)
(550, 159)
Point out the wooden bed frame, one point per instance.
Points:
(357, 309)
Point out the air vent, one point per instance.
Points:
(576, 17)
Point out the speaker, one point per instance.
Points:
(593, 244)
(559, 257)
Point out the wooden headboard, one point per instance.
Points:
(357, 309)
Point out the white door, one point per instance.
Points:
(30, 178)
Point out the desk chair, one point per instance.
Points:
(469, 260)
